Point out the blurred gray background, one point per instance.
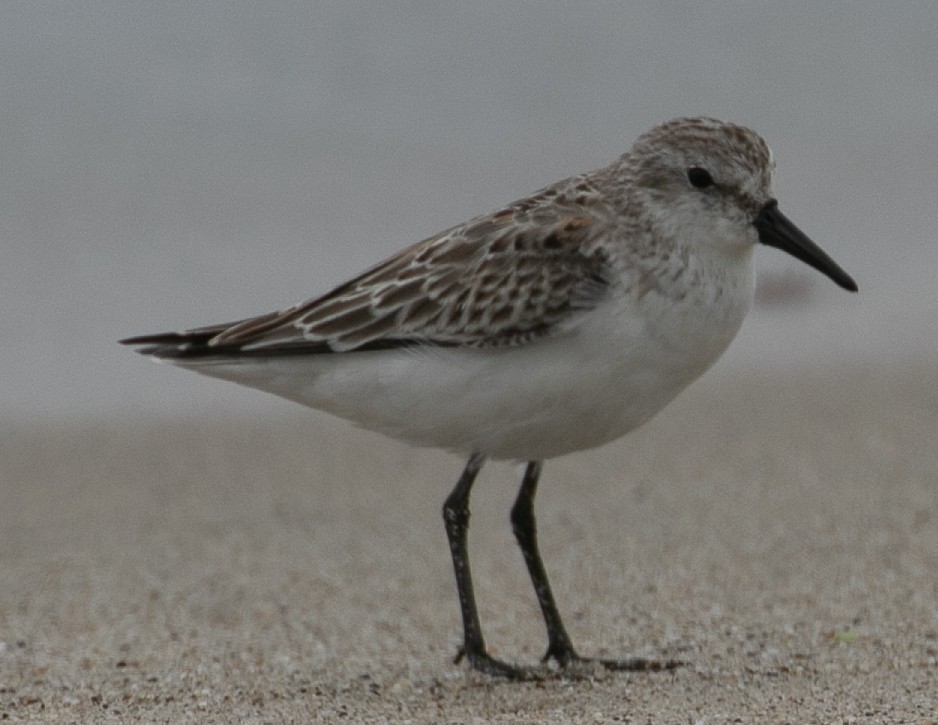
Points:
(166, 165)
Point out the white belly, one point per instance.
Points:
(618, 366)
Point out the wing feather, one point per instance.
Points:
(499, 280)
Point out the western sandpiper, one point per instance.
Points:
(558, 323)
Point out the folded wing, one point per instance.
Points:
(499, 280)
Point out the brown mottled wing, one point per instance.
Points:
(499, 280)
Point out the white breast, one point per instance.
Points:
(615, 368)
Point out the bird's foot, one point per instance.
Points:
(573, 664)
(569, 664)
(482, 661)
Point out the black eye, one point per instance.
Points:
(699, 177)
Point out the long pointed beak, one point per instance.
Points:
(776, 230)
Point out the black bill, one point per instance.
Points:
(776, 230)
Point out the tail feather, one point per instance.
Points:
(204, 342)
(227, 341)
(190, 343)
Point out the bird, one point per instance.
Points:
(555, 324)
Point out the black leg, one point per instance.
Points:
(525, 527)
(456, 518)
(559, 646)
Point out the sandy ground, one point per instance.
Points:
(779, 535)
